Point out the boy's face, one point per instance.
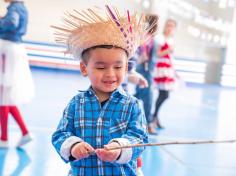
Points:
(106, 68)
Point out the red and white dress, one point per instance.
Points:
(164, 73)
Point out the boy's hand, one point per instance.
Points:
(109, 155)
(81, 150)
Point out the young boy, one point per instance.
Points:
(103, 116)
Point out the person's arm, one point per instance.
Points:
(64, 137)
(137, 79)
(161, 53)
(143, 58)
(136, 133)
(10, 21)
(142, 55)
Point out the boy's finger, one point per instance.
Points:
(101, 152)
(90, 152)
(83, 152)
(89, 148)
(98, 151)
(106, 147)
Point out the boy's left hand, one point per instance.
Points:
(109, 155)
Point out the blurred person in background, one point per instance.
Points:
(16, 84)
(145, 65)
(139, 80)
(164, 73)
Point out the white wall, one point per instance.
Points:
(231, 50)
(187, 45)
(44, 13)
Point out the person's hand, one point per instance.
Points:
(109, 155)
(145, 57)
(171, 49)
(176, 74)
(81, 150)
(138, 79)
(142, 82)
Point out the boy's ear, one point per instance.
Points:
(83, 68)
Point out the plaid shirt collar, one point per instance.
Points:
(115, 94)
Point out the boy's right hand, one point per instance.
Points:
(81, 150)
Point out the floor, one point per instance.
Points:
(194, 112)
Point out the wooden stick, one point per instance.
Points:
(173, 143)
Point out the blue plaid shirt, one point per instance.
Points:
(85, 119)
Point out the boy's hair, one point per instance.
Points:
(86, 53)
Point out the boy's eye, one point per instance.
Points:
(118, 67)
(100, 68)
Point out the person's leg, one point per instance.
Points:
(18, 118)
(139, 167)
(146, 96)
(148, 105)
(142, 94)
(163, 95)
(26, 137)
(4, 122)
(4, 110)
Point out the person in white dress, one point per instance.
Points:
(16, 84)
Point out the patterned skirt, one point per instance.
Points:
(164, 75)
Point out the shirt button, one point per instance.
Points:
(99, 140)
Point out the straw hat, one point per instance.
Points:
(88, 28)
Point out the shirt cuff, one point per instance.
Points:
(126, 153)
(66, 146)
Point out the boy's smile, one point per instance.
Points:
(109, 83)
(106, 69)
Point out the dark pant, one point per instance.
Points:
(163, 95)
(145, 94)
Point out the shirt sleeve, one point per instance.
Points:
(64, 137)
(10, 21)
(136, 133)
